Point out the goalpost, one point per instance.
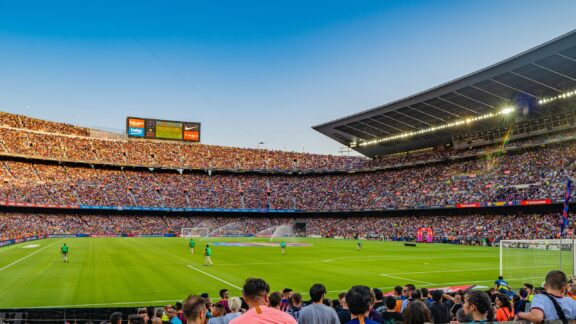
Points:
(530, 260)
(195, 232)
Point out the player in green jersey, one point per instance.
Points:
(192, 244)
(64, 251)
(283, 247)
(207, 255)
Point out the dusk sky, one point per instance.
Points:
(251, 71)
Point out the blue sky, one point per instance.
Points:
(251, 71)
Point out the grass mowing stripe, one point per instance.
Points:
(29, 255)
(211, 276)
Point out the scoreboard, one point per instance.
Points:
(162, 129)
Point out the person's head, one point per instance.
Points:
(425, 293)
(462, 317)
(390, 302)
(417, 312)
(408, 289)
(143, 312)
(135, 319)
(458, 299)
(529, 288)
(206, 298)
(235, 303)
(437, 295)
(358, 300)
(287, 293)
(523, 292)
(172, 312)
(194, 309)
(256, 292)
(342, 299)
(207, 245)
(416, 294)
(159, 313)
(218, 310)
(296, 300)
(178, 306)
(556, 281)
(502, 300)
(478, 305)
(378, 295)
(398, 291)
(224, 294)
(275, 299)
(317, 292)
(116, 318)
(156, 320)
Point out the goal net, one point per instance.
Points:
(530, 260)
(195, 232)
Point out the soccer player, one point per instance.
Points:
(64, 251)
(283, 247)
(192, 244)
(207, 255)
(358, 244)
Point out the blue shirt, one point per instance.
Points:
(175, 320)
(543, 303)
(366, 321)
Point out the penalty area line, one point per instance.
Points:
(214, 277)
(29, 255)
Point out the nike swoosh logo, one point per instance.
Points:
(190, 128)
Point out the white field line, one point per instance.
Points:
(29, 255)
(214, 277)
(147, 303)
(412, 280)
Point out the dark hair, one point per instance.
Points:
(417, 313)
(358, 299)
(398, 290)
(341, 295)
(221, 309)
(425, 292)
(275, 299)
(115, 317)
(286, 290)
(529, 285)
(135, 319)
(410, 287)
(505, 300)
(317, 291)
(482, 302)
(523, 292)
(437, 295)
(327, 302)
(416, 294)
(556, 280)
(390, 302)
(193, 306)
(296, 298)
(378, 294)
(178, 306)
(222, 292)
(255, 287)
(205, 295)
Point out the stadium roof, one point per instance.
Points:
(418, 121)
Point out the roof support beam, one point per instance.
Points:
(553, 71)
(490, 93)
(438, 108)
(427, 114)
(457, 105)
(368, 125)
(515, 89)
(538, 82)
(475, 100)
(566, 57)
(381, 123)
(361, 131)
(398, 121)
(414, 118)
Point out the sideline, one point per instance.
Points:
(29, 255)
(214, 277)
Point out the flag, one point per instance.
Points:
(566, 206)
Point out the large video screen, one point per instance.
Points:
(162, 129)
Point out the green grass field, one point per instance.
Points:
(155, 271)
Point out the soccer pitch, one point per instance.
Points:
(155, 271)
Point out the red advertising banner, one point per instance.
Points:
(468, 205)
(536, 202)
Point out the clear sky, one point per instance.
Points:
(251, 71)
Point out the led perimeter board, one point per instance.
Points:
(162, 129)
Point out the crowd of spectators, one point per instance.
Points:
(361, 304)
(531, 174)
(470, 230)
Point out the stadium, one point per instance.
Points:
(451, 188)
